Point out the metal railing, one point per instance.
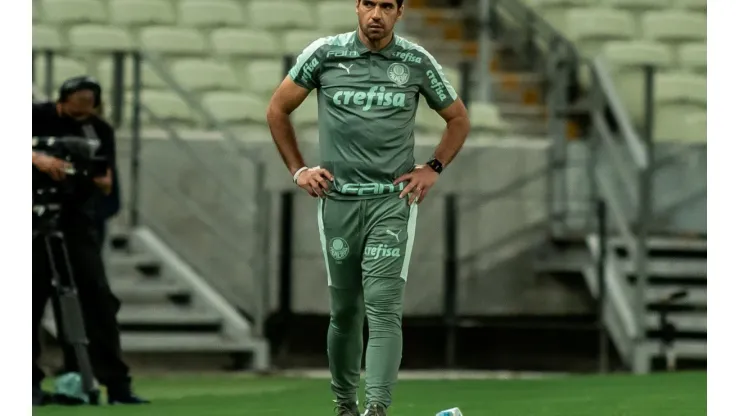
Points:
(256, 204)
(613, 172)
(553, 57)
(625, 183)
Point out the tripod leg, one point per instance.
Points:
(71, 319)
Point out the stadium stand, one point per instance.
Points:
(214, 49)
(237, 46)
(670, 34)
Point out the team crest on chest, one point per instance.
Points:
(399, 74)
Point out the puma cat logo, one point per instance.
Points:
(346, 68)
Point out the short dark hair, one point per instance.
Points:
(398, 2)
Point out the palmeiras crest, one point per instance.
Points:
(399, 74)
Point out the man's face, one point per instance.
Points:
(79, 105)
(377, 17)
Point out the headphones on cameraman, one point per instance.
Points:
(81, 83)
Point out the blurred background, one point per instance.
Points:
(569, 235)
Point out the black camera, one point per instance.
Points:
(49, 196)
(80, 152)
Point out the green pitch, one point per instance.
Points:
(681, 394)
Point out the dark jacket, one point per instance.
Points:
(47, 122)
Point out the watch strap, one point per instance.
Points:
(436, 165)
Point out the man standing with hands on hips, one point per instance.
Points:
(369, 83)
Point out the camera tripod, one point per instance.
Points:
(70, 325)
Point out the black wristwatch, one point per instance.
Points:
(436, 165)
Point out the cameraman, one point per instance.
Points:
(74, 114)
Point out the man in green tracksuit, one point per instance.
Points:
(369, 84)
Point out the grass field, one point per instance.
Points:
(679, 394)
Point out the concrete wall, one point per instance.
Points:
(502, 223)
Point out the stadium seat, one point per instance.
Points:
(589, 28)
(296, 40)
(203, 75)
(337, 16)
(553, 11)
(73, 11)
(208, 13)
(166, 105)
(263, 76)
(37, 93)
(235, 108)
(141, 12)
(695, 5)
(637, 5)
(693, 57)
(676, 95)
(244, 42)
(63, 69)
(149, 78)
(307, 115)
(680, 124)
(172, 40)
(485, 116)
(681, 88)
(696, 127)
(637, 53)
(674, 26)
(45, 37)
(276, 15)
(98, 38)
(627, 60)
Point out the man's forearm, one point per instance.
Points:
(452, 140)
(284, 137)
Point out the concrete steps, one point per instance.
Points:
(162, 312)
(677, 289)
(136, 290)
(450, 34)
(182, 343)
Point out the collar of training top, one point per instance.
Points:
(387, 51)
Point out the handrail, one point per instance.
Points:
(600, 124)
(175, 137)
(604, 82)
(561, 61)
(259, 211)
(541, 27)
(155, 61)
(200, 213)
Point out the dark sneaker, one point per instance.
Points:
(375, 410)
(346, 408)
